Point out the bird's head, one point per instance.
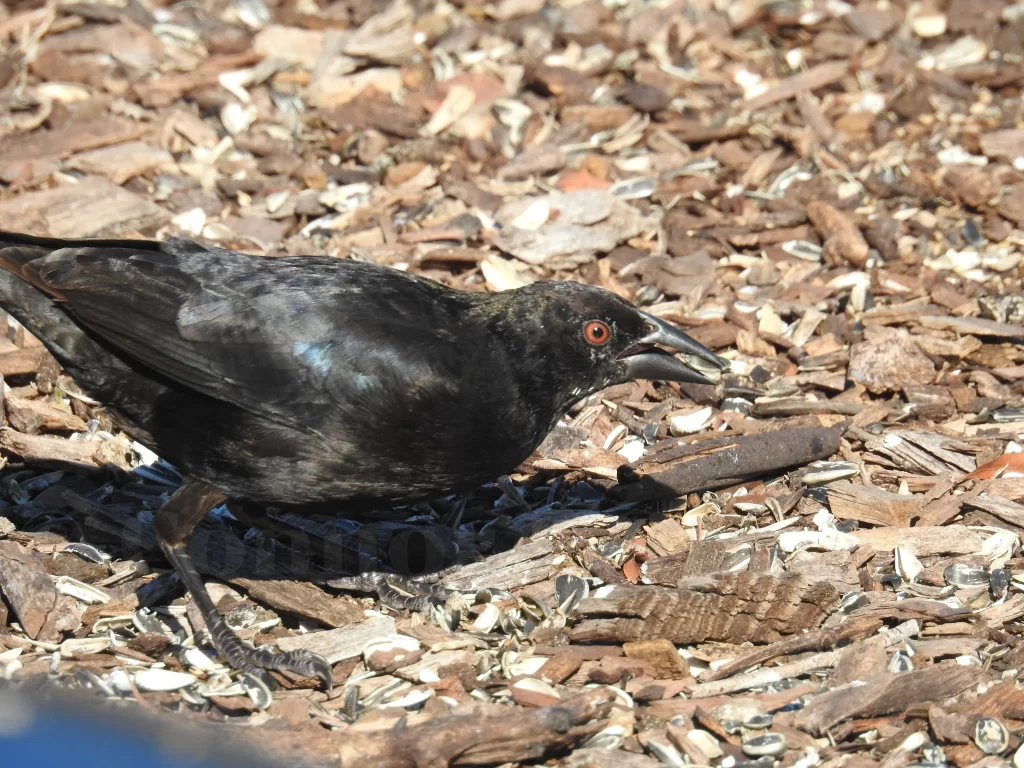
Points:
(581, 339)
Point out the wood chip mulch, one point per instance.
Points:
(815, 562)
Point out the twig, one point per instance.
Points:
(825, 660)
(821, 640)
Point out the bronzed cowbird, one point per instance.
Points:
(306, 380)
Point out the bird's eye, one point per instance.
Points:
(597, 333)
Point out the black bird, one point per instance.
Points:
(312, 379)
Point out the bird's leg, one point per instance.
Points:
(174, 523)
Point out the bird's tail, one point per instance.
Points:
(24, 299)
(24, 296)
(17, 251)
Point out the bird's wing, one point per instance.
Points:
(287, 339)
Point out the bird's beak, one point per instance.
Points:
(656, 364)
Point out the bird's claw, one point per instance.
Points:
(449, 606)
(255, 661)
(301, 662)
(400, 593)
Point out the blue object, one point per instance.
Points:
(64, 730)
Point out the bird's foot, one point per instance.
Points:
(400, 593)
(238, 653)
(247, 658)
(174, 522)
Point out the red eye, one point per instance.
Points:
(597, 333)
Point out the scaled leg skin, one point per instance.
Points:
(174, 523)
